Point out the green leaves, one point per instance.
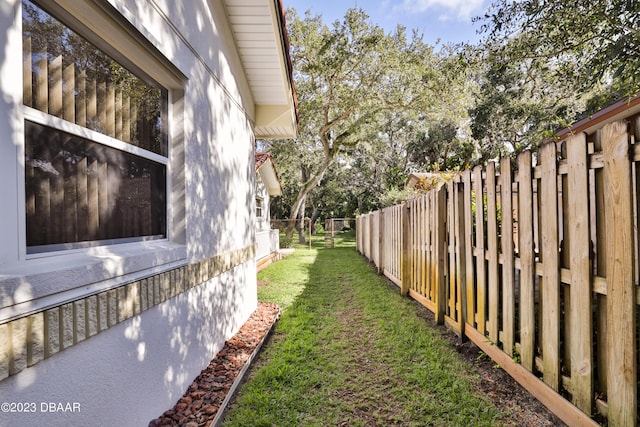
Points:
(600, 38)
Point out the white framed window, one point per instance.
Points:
(96, 142)
(259, 208)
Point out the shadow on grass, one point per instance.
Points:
(349, 350)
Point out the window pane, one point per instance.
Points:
(81, 191)
(68, 77)
(259, 204)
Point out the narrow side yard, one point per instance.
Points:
(350, 351)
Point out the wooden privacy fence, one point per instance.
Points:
(537, 263)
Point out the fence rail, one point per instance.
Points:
(535, 261)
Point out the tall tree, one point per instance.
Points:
(588, 42)
(518, 103)
(346, 76)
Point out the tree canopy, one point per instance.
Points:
(375, 107)
(588, 43)
(351, 77)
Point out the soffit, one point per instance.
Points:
(260, 37)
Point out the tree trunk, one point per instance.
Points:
(314, 216)
(300, 225)
(302, 194)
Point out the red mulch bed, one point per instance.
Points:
(201, 402)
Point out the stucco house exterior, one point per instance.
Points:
(267, 185)
(128, 255)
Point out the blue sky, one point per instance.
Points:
(448, 20)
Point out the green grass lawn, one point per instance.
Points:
(349, 350)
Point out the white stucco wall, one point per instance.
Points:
(134, 371)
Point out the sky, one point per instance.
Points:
(447, 20)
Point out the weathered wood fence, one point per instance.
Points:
(537, 263)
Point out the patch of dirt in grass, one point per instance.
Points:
(367, 398)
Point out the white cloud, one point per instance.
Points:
(461, 10)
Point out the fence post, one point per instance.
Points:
(461, 254)
(406, 249)
(441, 253)
(621, 290)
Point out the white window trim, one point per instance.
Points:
(260, 205)
(57, 123)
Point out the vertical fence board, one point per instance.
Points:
(372, 241)
(527, 268)
(418, 248)
(461, 251)
(481, 318)
(423, 249)
(599, 234)
(508, 297)
(406, 249)
(430, 280)
(565, 262)
(382, 242)
(550, 335)
(492, 248)
(621, 301)
(440, 244)
(451, 233)
(468, 223)
(580, 338)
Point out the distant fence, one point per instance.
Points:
(333, 226)
(537, 263)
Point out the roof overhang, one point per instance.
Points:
(267, 170)
(259, 30)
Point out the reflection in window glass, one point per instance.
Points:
(259, 207)
(81, 191)
(68, 77)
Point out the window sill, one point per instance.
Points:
(36, 284)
